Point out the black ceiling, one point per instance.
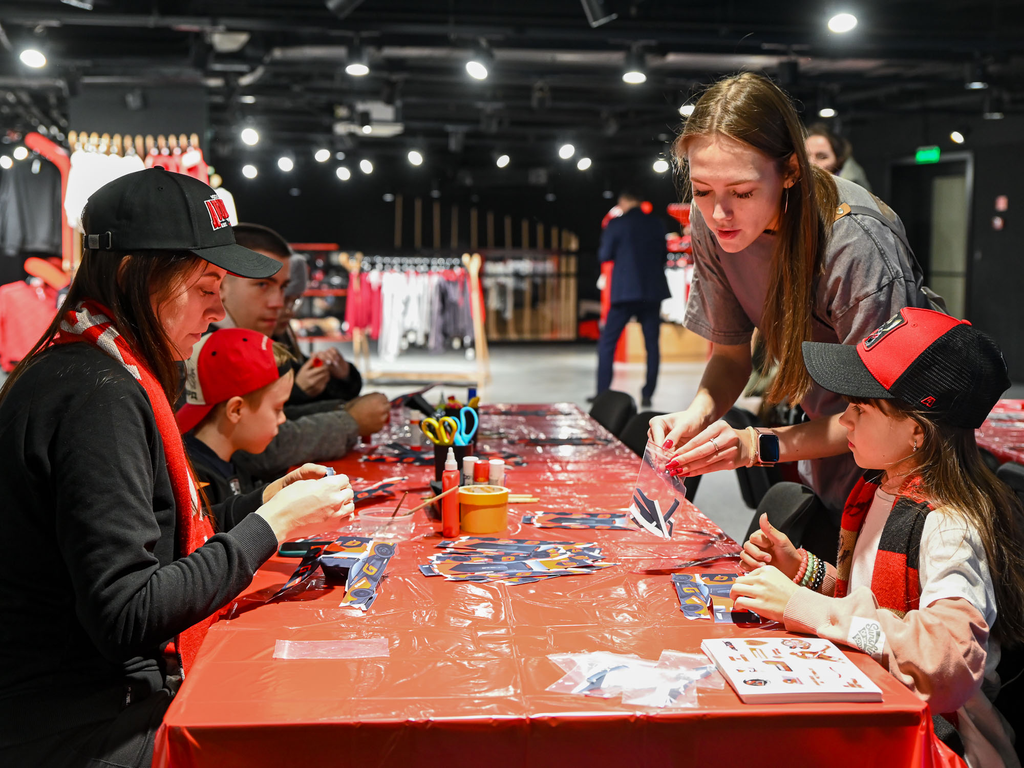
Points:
(555, 78)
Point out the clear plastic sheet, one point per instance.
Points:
(668, 682)
(331, 649)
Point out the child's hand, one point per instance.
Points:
(305, 472)
(765, 591)
(313, 376)
(770, 545)
(371, 412)
(337, 364)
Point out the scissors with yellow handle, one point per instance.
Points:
(440, 431)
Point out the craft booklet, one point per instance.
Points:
(782, 670)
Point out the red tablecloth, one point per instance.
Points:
(1002, 434)
(467, 672)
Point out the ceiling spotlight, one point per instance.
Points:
(415, 157)
(343, 173)
(634, 71)
(479, 65)
(6, 162)
(583, 163)
(322, 155)
(566, 151)
(825, 108)
(247, 99)
(956, 137)
(827, 112)
(687, 109)
(33, 57)
(285, 163)
(249, 171)
(389, 197)
(976, 79)
(550, 197)
(357, 65)
(502, 161)
(993, 109)
(660, 165)
(20, 153)
(364, 122)
(366, 166)
(842, 22)
(250, 136)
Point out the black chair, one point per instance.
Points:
(1011, 663)
(613, 410)
(754, 481)
(634, 435)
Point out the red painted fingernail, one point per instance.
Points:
(671, 464)
(668, 444)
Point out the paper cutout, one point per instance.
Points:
(376, 490)
(366, 575)
(706, 596)
(512, 561)
(583, 520)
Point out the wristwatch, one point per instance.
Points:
(765, 444)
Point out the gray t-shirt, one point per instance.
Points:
(867, 278)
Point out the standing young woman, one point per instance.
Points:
(112, 573)
(769, 254)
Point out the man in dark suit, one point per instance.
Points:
(635, 241)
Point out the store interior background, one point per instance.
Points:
(898, 82)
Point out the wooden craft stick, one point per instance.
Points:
(432, 499)
(519, 498)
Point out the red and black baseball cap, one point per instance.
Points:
(231, 362)
(925, 359)
(156, 209)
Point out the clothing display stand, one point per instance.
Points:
(531, 295)
(57, 155)
(361, 344)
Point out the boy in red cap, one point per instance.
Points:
(236, 384)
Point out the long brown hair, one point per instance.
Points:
(753, 110)
(127, 285)
(954, 475)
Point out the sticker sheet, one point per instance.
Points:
(706, 596)
(512, 561)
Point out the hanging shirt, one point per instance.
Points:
(26, 311)
(30, 220)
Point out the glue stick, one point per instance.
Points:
(467, 469)
(496, 472)
(450, 503)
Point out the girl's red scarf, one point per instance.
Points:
(90, 322)
(895, 581)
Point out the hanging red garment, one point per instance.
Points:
(26, 311)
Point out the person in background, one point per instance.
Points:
(236, 384)
(334, 378)
(931, 555)
(834, 154)
(318, 431)
(770, 254)
(100, 618)
(635, 242)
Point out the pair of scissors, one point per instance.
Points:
(463, 434)
(441, 431)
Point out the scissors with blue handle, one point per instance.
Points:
(441, 431)
(463, 435)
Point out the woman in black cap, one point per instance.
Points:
(112, 573)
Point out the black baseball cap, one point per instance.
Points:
(925, 359)
(156, 209)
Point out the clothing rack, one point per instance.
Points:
(359, 262)
(531, 295)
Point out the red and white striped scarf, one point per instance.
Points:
(90, 322)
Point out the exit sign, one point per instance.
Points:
(927, 155)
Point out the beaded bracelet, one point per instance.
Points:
(819, 576)
(812, 566)
(803, 567)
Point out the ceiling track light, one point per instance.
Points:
(364, 123)
(502, 161)
(993, 107)
(660, 165)
(826, 109)
(33, 57)
(357, 64)
(481, 62)
(976, 78)
(634, 74)
(597, 12)
(415, 157)
(566, 151)
(841, 23)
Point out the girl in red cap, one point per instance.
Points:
(113, 573)
(930, 577)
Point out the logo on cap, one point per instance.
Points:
(928, 402)
(218, 213)
(884, 330)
